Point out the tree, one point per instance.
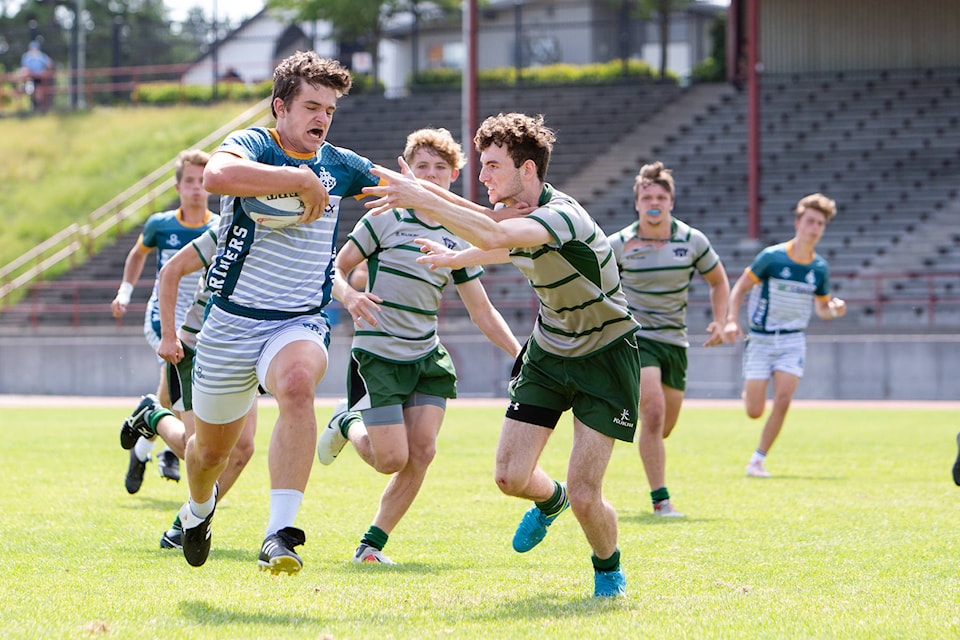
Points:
(645, 10)
(664, 9)
(359, 21)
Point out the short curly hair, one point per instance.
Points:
(440, 141)
(307, 66)
(525, 138)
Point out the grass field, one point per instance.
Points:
(856, 536)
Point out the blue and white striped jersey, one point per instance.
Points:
(783, 299)
(258, 269)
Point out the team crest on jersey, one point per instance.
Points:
(680, 252)
(449, 243)
(329, 182)
(173, 240)
(785, 273)
(810, 278)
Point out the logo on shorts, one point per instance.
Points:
(514, 406)
(313, 327)
(624, 420)
(198, 371)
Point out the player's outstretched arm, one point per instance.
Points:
(438, 255)
(744, 283)
(361, 305)
(132, 268)
(230, 174)
(486, 317)
(719, 301)
(183, 262)
(830, 308)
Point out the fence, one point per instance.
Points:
(66, 244)
(917, 299)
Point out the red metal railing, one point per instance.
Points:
(922, 294)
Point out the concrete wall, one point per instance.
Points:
(909, 367)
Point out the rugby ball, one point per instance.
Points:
(276, 210)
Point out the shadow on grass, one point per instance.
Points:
(552, 606)
(157, 504)
(649, 518)
(204, 613)
(778, 477)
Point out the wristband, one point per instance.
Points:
(124, 292)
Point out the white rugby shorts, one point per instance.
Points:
(766, 353)
(234, 354)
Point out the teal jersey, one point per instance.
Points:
(656, 278)
(582, 305)
(407, 323)
(167, 233)
(262, 272)
(783, 298)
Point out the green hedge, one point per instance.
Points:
(610, 72)
(176, 93)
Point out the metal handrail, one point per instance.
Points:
(67, 242)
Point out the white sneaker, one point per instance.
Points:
(331, 441)
(756, 470)
(665, 509)
(366, 553)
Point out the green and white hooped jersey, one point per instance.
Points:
(406, 328)
(656, 278)
(206, 248)
(582, 306)
(267, 273)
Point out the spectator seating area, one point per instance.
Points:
(885, 145)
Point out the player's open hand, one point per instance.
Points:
(395, 190)
(732, 331)
(436, 254)
(363, 307)
(716, 335)
(515, 210)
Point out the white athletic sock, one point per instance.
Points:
(203, 509)
(757, 457)
(143, 448)
(284, 507)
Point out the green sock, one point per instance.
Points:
(348, 420)
(177, 525)
(610, 564)
(375, 537)
(554, 504)
(156, 416)
(659, 495)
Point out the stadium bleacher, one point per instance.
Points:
(885, 145)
